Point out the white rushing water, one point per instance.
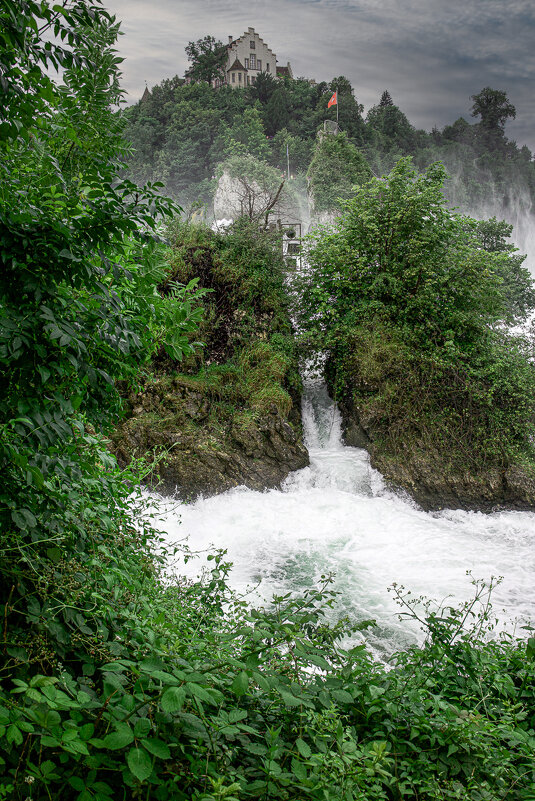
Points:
(337, 516)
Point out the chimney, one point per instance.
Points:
(251, 30)
(230, 40)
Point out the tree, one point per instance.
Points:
(246, 135)
(409, 307)
(399, 252)
(517, 286)
(393, 127)
(285, 145)
(263, 87)
(385, 100)
(255, 190)
(79, 309)
(341, 85)
(337, 167)
(494, 108)
(207, 57)
(276, 113)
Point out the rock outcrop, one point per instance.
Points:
(174, 427)
(434, 483)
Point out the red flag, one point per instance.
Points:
(333, 101)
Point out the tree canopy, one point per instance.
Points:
(207, 57)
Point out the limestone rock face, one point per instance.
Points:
(432, 482)
(199, 458)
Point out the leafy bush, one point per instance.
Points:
(336, 168)
(409, 304)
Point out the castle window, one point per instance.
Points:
(248, 81)
(239, 77)
(252, 61)
(233, 77)
(267, 67)
(252, 45)
(246, 63)
(258, 64)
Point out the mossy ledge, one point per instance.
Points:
(230, 415)
(398, 409)
(433, 482)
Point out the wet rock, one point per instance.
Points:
(434, 483)
(199, 460)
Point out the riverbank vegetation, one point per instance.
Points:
(118, 680)
(411, 301)
(227, 414)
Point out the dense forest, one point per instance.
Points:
(180, 133)
(116, 681)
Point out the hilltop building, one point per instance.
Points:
(246, 58)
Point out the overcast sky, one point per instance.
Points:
(430, 54)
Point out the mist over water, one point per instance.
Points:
(512, 203)
(337, 516)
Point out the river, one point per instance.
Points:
(337, 516)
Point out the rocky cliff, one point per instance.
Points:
(231, 414)
(432, 480)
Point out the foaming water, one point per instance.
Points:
(337, 516)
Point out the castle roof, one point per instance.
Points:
(237, 66)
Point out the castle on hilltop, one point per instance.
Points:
(246, 58)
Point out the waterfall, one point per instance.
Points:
(337, 516)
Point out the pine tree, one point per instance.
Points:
(386, 99)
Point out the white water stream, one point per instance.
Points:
(337, 515)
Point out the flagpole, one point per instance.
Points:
(337, 109)
(288, 160)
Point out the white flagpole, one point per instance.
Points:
(288, 160)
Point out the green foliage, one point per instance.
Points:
(337, 167)
(186, 693)
(180, 131)
(117, 682)
(246, 136)
(79, 309)
(392, 127)
(494, 109)
(207, 57)
(408, 304)
(249, 353)
(517, 287)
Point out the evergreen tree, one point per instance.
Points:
(385, 100)
(263, 87)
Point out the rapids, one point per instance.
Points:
(337, 516)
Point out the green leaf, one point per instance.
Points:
(24, 519)
(140, 763)
(157, 747)
(142, 727)
(289, 700)
(200, 692)
(54, 554)
(173, 699)
(240, 684)
(120, 738)
(299, 769)
(303, 748)
(343, 697)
